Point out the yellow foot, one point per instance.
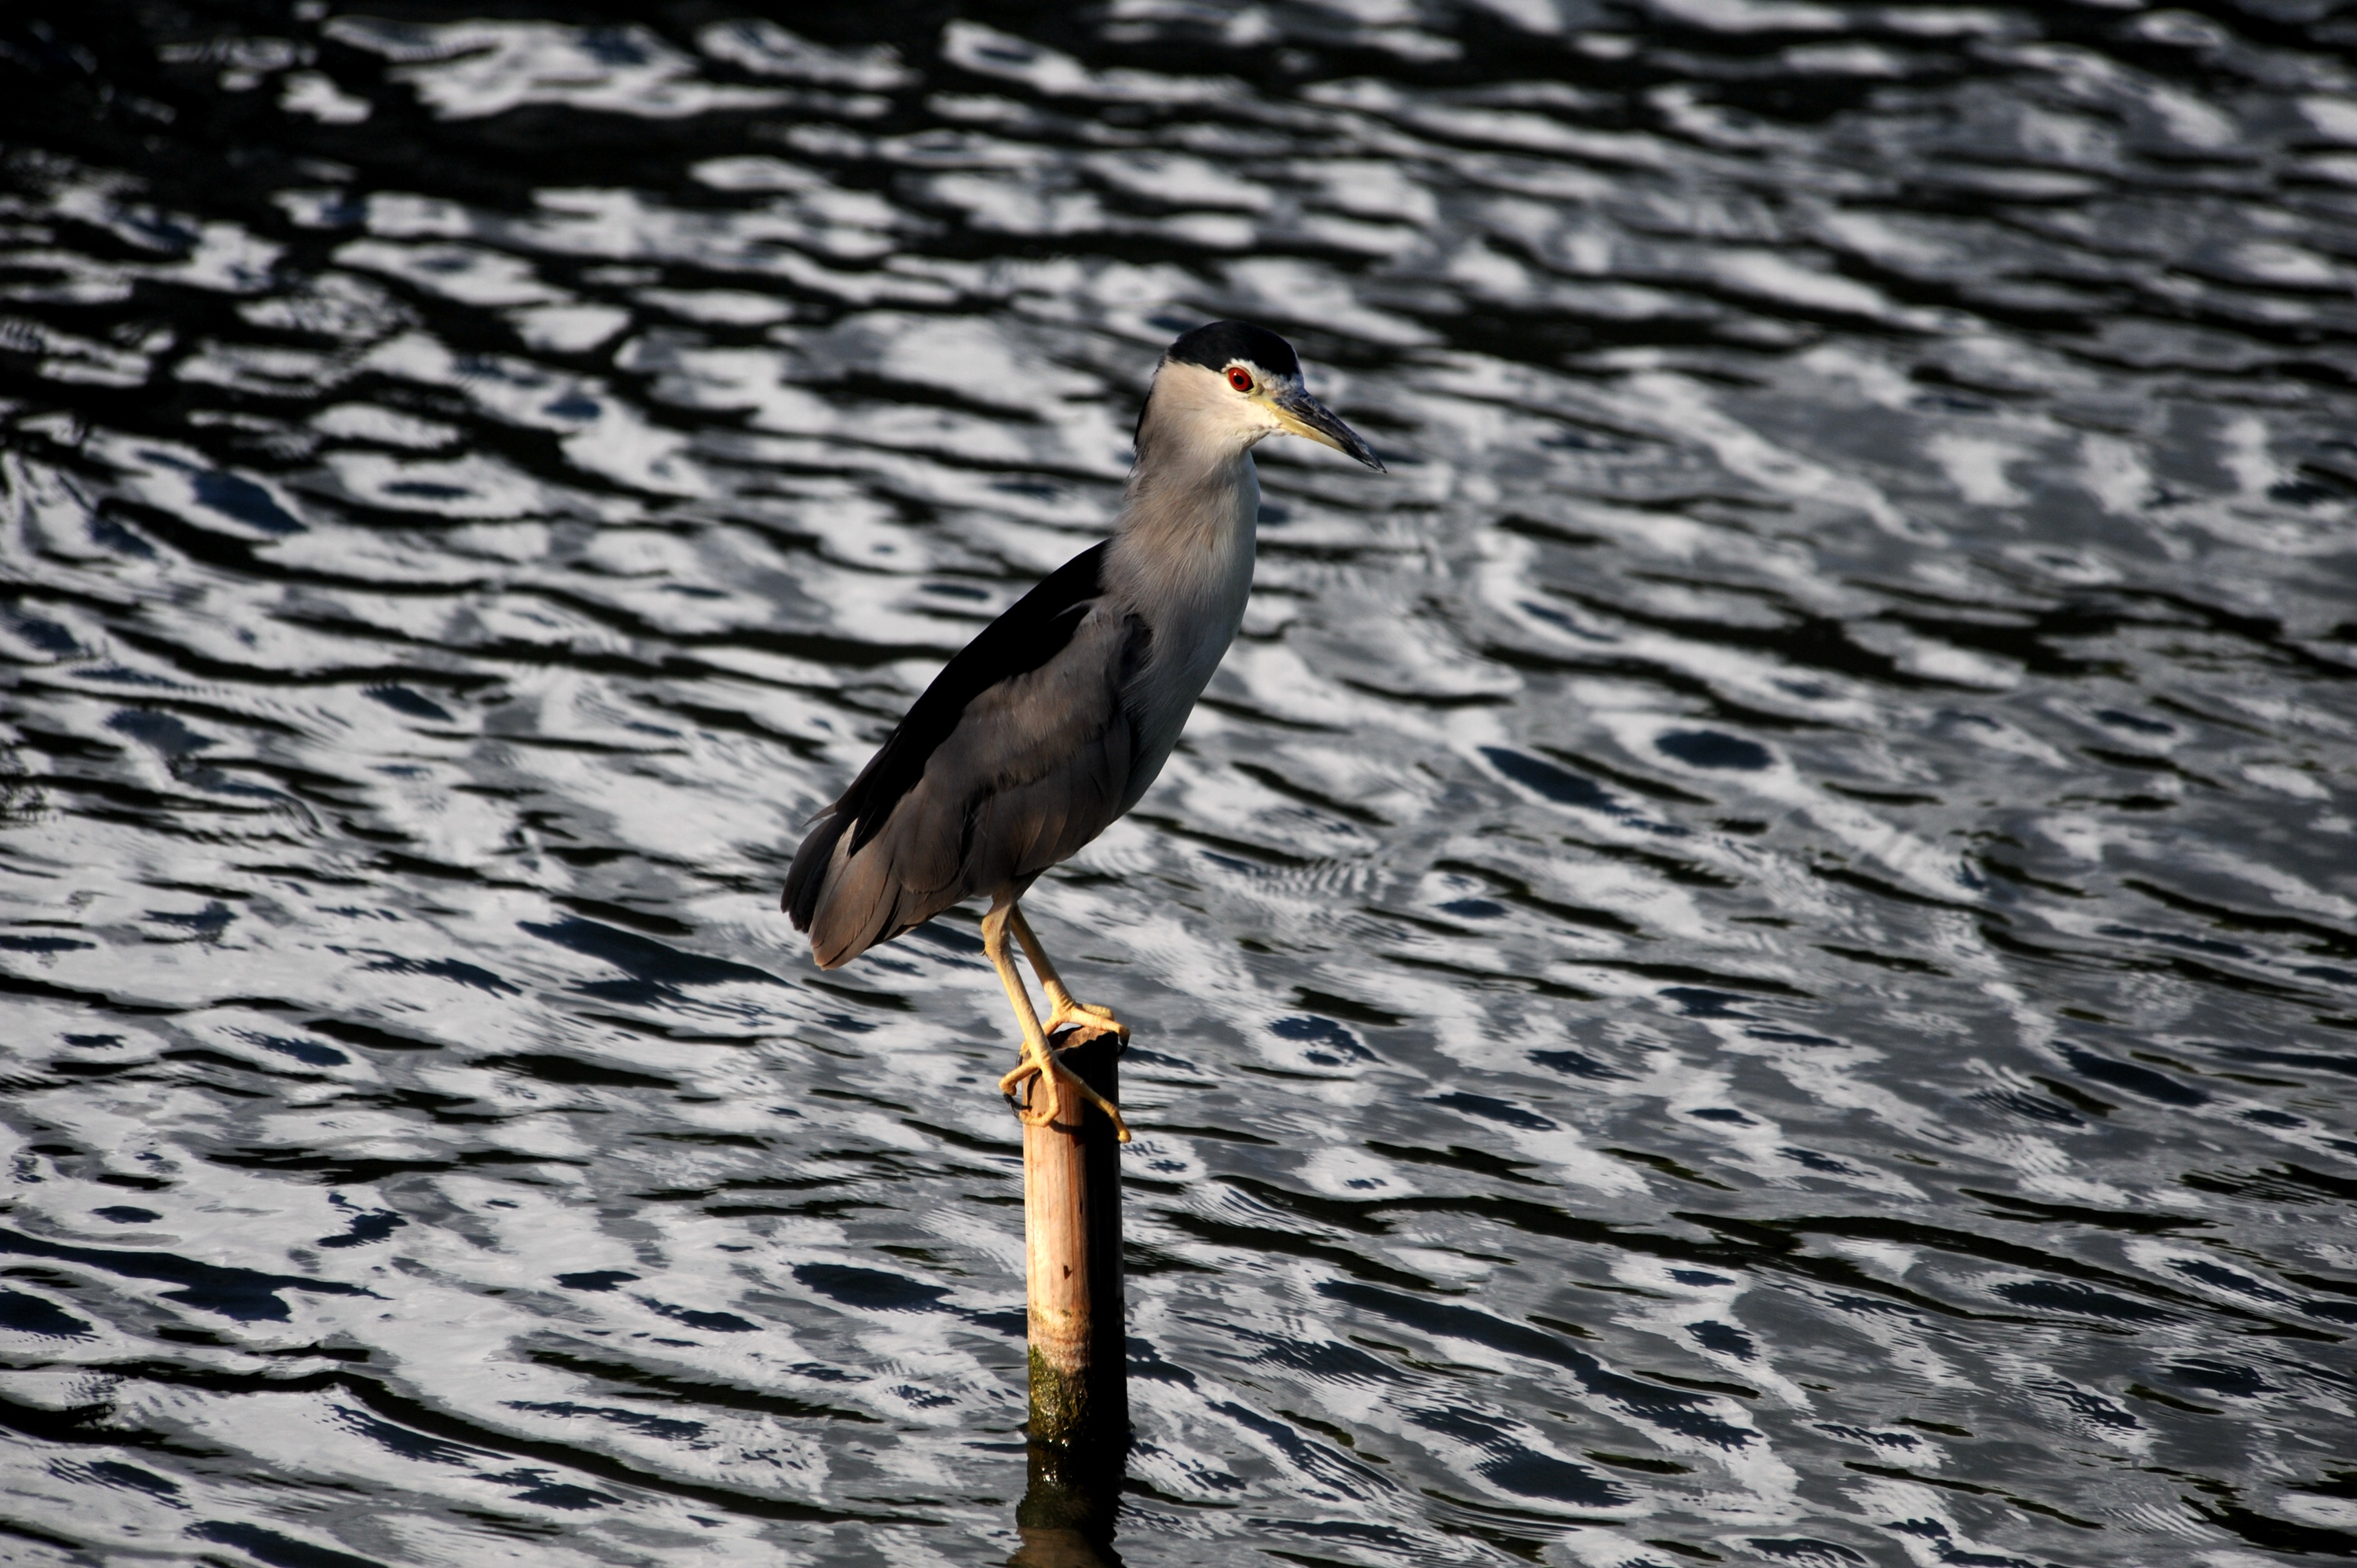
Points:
(1042, 1064)
(1086, 1021)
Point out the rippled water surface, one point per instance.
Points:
(1754, 958)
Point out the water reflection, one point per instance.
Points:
(1070, 1500)
(1753, 960)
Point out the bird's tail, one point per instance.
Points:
(806, 881)
(847, 903)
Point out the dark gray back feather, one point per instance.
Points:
(1037, 765)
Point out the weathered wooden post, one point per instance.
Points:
(1080, 1372)
(1071, 1232)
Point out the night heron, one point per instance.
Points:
(1053, 722)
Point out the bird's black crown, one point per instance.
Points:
(1214, 346)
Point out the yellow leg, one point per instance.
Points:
(1062, 1012)
(1040, 1063)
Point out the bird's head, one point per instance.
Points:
(1231, 384)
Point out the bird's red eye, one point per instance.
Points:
(1239, 378)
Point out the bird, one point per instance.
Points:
(1057, 719)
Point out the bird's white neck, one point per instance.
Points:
(1181, 560)
(1183, 549)
(1189, 526)
(1182, 554)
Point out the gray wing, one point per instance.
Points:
(1035, 767)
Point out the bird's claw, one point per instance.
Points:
(1086, 1021)
(1036, 1109)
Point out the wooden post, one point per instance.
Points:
(1072, 1232)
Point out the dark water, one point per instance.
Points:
(1752, 959)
